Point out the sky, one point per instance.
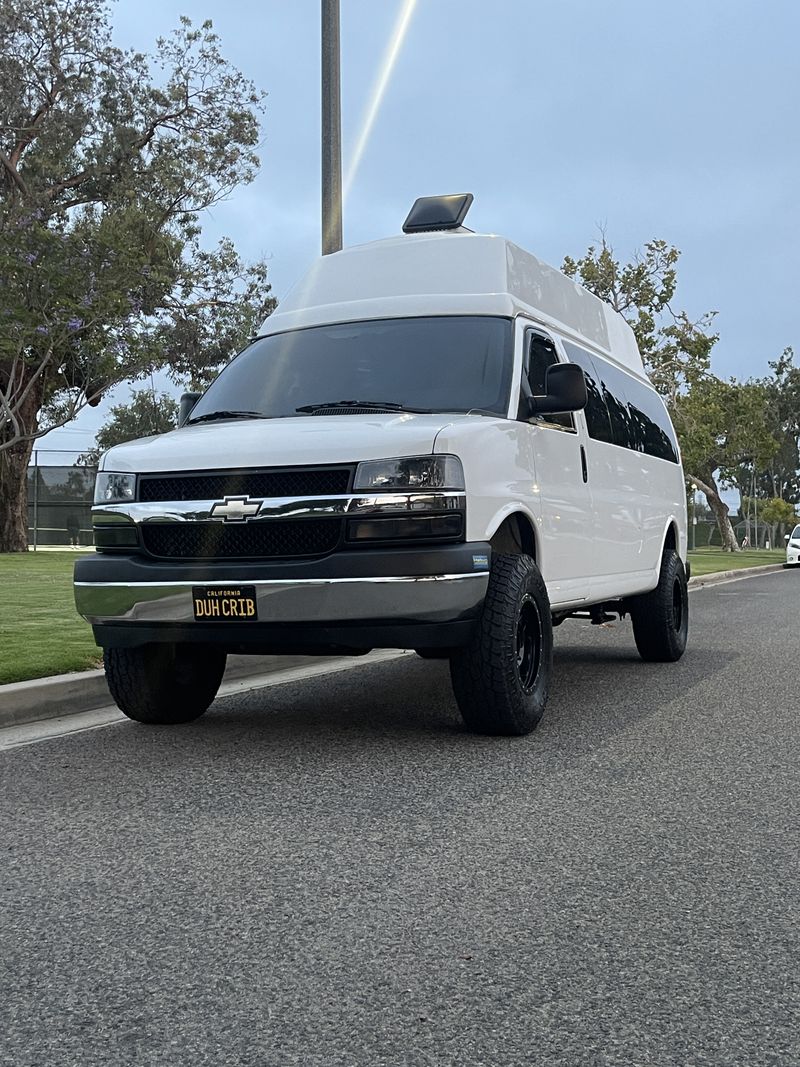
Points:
(677, 121)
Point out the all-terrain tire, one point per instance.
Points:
(661, 618)
(501, 679)
(164, 684)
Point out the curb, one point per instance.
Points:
(725, 576)
(72, 694)
(49, 698)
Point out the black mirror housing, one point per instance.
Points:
(188, 401)
(566, 390)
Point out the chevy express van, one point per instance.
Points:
(437, 442)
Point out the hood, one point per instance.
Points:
(300, 441)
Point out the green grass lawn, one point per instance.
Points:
(711, 560)
(41, 633)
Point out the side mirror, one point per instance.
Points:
(188, 401)
(786, 537)
(566, 390)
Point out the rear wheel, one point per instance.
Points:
(164, 684)
(661, 618)
(502, 677)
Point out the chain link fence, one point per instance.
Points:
(759, 535)
(60, 498)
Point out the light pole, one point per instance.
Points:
(694, 517)
(331, 130)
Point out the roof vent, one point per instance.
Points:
(438, 213)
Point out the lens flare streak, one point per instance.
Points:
(379, 89)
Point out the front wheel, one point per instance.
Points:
(502, 677)
(661, 618)
(164, 684)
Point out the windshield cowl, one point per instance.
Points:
(360, 407)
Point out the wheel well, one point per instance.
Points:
(671, 540)
(514, 537)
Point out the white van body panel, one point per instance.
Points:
(595, 539)
(598, 538)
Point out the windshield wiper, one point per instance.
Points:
(211, 416)
(385, 405)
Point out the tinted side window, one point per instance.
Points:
(596, 412)
(614, 384)
(637, 418)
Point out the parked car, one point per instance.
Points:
(437, 442)
(793, 548)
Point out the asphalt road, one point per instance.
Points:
(334, 873)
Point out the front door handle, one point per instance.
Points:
(583, 464)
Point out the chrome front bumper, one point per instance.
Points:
(430, 598)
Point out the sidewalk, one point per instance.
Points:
(73, 694)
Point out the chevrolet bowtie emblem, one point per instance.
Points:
(235, 509)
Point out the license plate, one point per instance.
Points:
(235, 603)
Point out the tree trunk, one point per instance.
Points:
(14, 497)
(14, 479)
(720, 509)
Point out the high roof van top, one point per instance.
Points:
(452, 272)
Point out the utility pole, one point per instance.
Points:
(331, 130)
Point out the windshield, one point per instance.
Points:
(447, 363)
(796, 533)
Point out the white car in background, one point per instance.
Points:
(793, 547)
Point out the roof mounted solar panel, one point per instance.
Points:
(438, 213)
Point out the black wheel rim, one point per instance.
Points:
(529, 643)
(677, 605)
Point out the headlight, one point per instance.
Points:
(411, 472)
(112, 488)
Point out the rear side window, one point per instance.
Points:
(635, 414)
(651, 425)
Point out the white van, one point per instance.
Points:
(437, 442)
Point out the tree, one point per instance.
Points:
(777, 513)
(721, 426)
(104, 169)
(780, 477)
(146, 413)
(675, 349)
